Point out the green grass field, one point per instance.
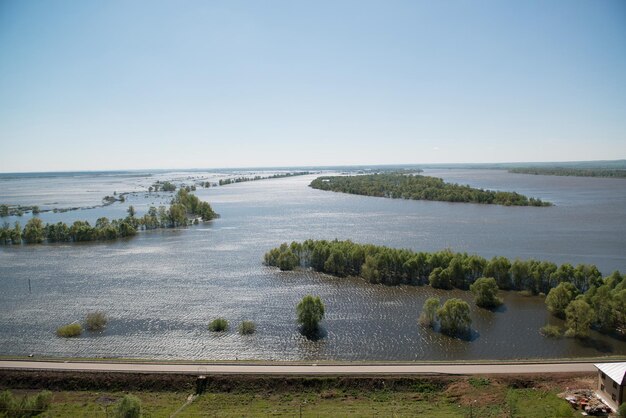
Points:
(462, 397)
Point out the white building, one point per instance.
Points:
(612, 383)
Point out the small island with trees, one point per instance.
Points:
(419, 187)
(185, 208)
(580, 294)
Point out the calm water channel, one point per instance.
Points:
(161, 288)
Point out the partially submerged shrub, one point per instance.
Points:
(428, 317)
(128, 407)
(247, 327)
(218, 325)
(70, 330)
(96, 321)
(551, 331)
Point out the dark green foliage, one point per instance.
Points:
(58, 232)
(551, 331)
(128, 407)
(560, 297)
(5, 233)
(417, 187)
(28, 406)
(193, 205)
(247, 328)
(224, 182)
(310, 311)
(428, 317)
(81, 231)
(621, 411)
(578, 172)
(445, 269)
(454, 317)
(70, 330)
(579, 316)
(218, 325)
(485, 292)
(96, 321)
(282, 257)
(500, 269)
(34, 231)
(439, 278)
(4, 211)
(16, 234)
(168, 187)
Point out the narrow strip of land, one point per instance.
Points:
(300, 369)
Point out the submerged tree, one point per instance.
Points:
(578, 317)
(560, 297)
(34, 231)
(485, 292)
(454, 317)
(310, 312)
(428, 317)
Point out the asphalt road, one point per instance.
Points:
(302, 369)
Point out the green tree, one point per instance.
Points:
(128, 407)
(579, 316)
(369, 270)
(604, 305)
(310, 311)
(131, 211)
(335, 264)
(36, 210)
(247, 328)
(439, 278)
(287, 260)
(218, 325)
(5, 233)
(485, 292)
(58, 232)
(96, 321)
(4, 211)
(560, 297)
(428, 317)
(16, 234)
(454, 317)
(498, 268)
(177, 215)
(34, 231)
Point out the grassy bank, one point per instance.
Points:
(85, 394)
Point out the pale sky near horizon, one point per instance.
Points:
(97, 85)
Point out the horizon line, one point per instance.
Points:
(330, 166)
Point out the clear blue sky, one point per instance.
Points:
(151, 84)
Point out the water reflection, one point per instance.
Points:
(161, 289)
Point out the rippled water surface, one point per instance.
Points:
(161, 288)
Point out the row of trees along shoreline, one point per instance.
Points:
(418, 187)
(570, 171)
(185, 208)
(242, 179)
(447, 270)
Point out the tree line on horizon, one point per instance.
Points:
(224, 182)
(447, 270)
(419, 187)
(569, 171)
